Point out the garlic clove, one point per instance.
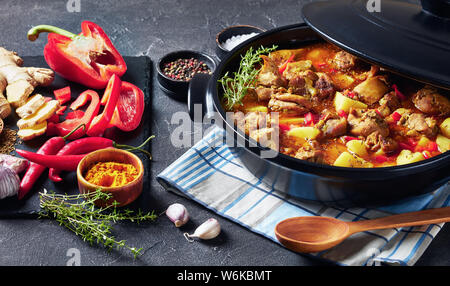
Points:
(178, 214)
(207, 230)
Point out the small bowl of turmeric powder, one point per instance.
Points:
(117, 172)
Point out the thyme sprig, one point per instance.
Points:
(94, 225)
(236, 87)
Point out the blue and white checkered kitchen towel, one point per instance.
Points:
(211, 175)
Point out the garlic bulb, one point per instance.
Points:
(18, 165)
(207, 230)
(178, 214)
(9, 182)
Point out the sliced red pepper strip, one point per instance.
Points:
(396, 116)
(77, 114)
(350, 138)
(284, 66)
(426, 154)
(311, 119)
(342, 113)
(381, 158)
(63, 94)
(68, 125)
(100, 122)
(61, 110)
(54, 118)
(129, 108)
(89, 58)
(400, 95)
(284, 127)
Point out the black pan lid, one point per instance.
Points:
(407, 38)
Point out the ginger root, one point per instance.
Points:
(19, 81)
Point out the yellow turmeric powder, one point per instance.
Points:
(111, 174)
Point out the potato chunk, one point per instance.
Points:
(352, 161)
(408, 157)
(304, 133)
(357, 147)
(342, 102)
(443, 143)
(445, 127)
(372, 89)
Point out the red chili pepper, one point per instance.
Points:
(90, 144)
(129, 108)
(63, 94)
(100, 122)
(34, 171)
(63, 128)
(284, 66)
(342, 113)
(65, 162)
(400, 95)
(88, 58)
(77, 147)
(396, 116)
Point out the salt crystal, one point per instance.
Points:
(236, 40)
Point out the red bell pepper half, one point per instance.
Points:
(101, 122)
(73, 120)
(130, 107)
(88, 58)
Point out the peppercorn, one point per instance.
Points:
(185, 69)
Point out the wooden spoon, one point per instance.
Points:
(315, 233)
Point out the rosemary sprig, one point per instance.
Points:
(235, 88)
(79, 214)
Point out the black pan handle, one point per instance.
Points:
(199, 100)
(439, 8)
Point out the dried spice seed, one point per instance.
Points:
(8, 139)
(185, 69)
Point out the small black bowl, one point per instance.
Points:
(231, 31)
(178, 89)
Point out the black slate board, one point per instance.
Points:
(139, 73)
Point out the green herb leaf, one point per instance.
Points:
(236, 87)
(94, 225)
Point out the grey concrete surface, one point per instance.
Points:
(153, 28)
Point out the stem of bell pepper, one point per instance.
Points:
(34, 32)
